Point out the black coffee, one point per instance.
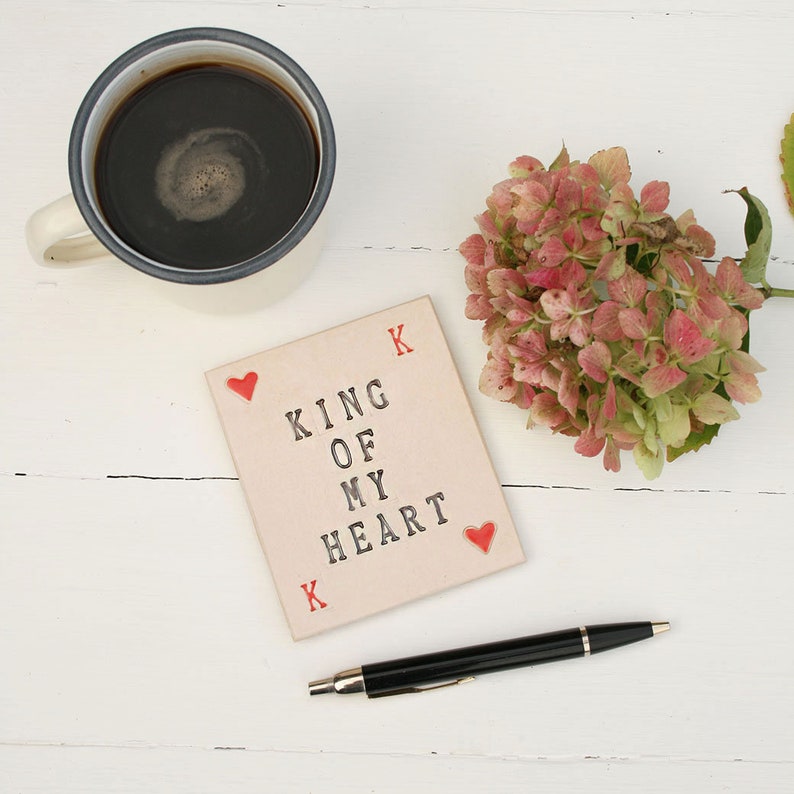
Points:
(205, 167)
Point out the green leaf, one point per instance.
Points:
(694, 442)
(757, 235)
(649, 461)
(645, 263)
(746, 340)
(674, 431)
(712, 408)
(787, 159)
(561, 160)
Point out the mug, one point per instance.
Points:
(203, 157)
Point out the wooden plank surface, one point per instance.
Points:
(142, 647)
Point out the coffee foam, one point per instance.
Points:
(199, 177)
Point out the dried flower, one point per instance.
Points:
(600, 316)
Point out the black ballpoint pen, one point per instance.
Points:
(446, 668)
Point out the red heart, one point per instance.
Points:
(481, 537)
(243, 386)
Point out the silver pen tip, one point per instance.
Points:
(343, 683)
(661, 626)
(322, 687)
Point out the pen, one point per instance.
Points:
(447, 668)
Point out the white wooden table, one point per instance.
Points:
(142, 647)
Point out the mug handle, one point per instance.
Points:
(57, 235)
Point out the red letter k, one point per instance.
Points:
(396, 337)
(309, 590)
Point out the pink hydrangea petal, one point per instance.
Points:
(589, 444)
(611, 266)
(595, 360)
(473, 249)
(595, 198)
(657, 353)
(620, 211)
(529, 351)
(593, 411)
(534, 198)
(593, 250)
(585, 174)
(579, 330)
(487, 227)
(676, 265)
(656, 304)
(750, 298)
(624, 438)
(567, 274)
(571, 236)
(731, 283)
(629, 289)
(524, 396)
(568, 197)
(661, 379)
(550, 378)
(524, 165)
(610, 401)
(490, 256)
(547, 411)
(492, 327)
(709, 303)
(655, 196)
(729, 276)
(591, 228)
(506, 279)
(708, 308)
(568, 393)
(548, 278)
(742, 362)
(528, 372)
(552, 252)
(520, 304)
(732, 330)
(501, 199)
(606, 325)
(475, 279)
(633, 323)
(557, 304)
(611, 456)
(559, 329)
(549, 223)
(611, 165)
(496, 380)
(478, 307)
(703, 241)
(573, 274)
(531, 342)
(684, 337)
(742, 387)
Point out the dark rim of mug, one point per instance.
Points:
(238, 270)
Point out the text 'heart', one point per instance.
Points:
(243, 386)
(482, 536)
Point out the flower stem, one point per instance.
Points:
(777, 292)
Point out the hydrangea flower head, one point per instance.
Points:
(600, 316)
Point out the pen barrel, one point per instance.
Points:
(615, 635)
(386, 678)
(414, 672)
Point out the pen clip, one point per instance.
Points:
(411, 689)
